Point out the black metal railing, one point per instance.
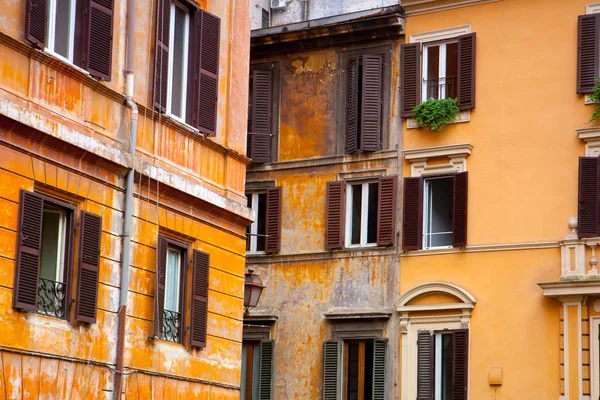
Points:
(172, 326)
(51, 298)
(437, 87)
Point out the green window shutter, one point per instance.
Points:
(332, 362)
(379, 364)
(265, 391)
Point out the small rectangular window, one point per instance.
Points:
(358, 368)
(250, 370)
(265, 18)
(61, 28)
(257, 231)
(444, 364)
(178, 61)
(173, 295)
(437, 212)
(440, 70)
(361, 214)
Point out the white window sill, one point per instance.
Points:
(63, 60)
(587, 100)
(464, 116)
(255, 253)
(178, 122)
(360, 246)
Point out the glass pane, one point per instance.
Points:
(62, 31)
(451, 69)
(438, 227)
(433, 70)
(368, 376)
(50, 245)
(356, 205)
(447, 366)
(172, 280)
(261, 221)
(353, 377)
(179, 67)
(248, 229)
(372, 213)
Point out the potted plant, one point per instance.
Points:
(436, 114)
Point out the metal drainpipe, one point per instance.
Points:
(125, 259)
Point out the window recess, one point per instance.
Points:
(257, 370)
(263, 236)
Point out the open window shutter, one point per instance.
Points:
(199, 314)
(90, 233)
(265, 391)
(99, 36)
(273, 225)
(460, 365)
(29, 246)
(352, 116)
(35, 25)
(425, 364)
(588, 43)
(466, 72)
(379, 362)
(588, 215)
(386, 211)
(332, 362)
(210, 32)
(372, 82)
(161, 274)
(412, 214)
(334, 215)
(262, 103)
(459, 210)
(161, 54)
(410, 69)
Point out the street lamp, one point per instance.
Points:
(253, 288)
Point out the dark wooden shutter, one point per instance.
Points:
(352, 117)
(29, 246)
(161, 54)
(86, 301)
(159, 295)
(210, 32)
(386, 211)
(460, 365)
(332, 356)
(372, 82)
(588, 43)
(99, 24)
(412, 214)
(410, 64)
(588, 215)
(379, 363)
(262, 103)
(466, 72)
(199, 314)
(273, 223)
(35, 24)
(425, 364)
(459, 210)
(265, 390)
(335, 202)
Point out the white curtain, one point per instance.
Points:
(172, 280)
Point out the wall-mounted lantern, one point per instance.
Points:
(253, 288)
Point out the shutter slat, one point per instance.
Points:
(412, 214)
(29, 246)
(332, 355)
(99, 38)
(460, 364)
(36, 22)
(466, 72)
(410, 64)
(86, 301)
(386, 211)
(352, 107)
(210, 31)
(588, 215)
(199, 314)
(459, 213)
(372, 81)
(161, 275)
(260, 140)
(425, 364)
(379, 366)
(588, 38)
(334, 215)
(161, 54)
(273, 223)
(265, 390)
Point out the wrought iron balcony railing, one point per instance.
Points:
(51, 298)
(172, 326)
(441, 88)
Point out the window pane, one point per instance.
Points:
(62, 31)
(50, 243)
(353, 377)
(447, 366)
(372, 213)
(179, 67)
(356, 198)
(249, 228)
(368, 376)
(451, 69)
(261, 220)
(172, 280)
(433, 69)
(438, 226)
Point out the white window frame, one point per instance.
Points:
(168, 277)
(51, 30)
(427, 213)
(186, 34)
(364, 214)
(61, 243)
(254, 225)
(441, 68)
(594, 355)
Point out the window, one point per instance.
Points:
(440, 69)
(437, 212)
(358, 370)
(178, 61)
(257, 370)
(361, 214)
(173, 292)
(265, 18)
(587, 53)
(61, 28)
(263, 234)
(262, 113)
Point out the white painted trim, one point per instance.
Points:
(566, 349)
(594, 356)
(592, 8)
(436, 307)
(570, 288)
(467, 299)
(364, 212)
(591, 137)
(457, 155)
(254, 224)
(186, 29)
(440, 34)
(579, 350)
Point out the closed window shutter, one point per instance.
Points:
(29, 246)
(90, 234)
(466, 72)
(379, 362)
(262, 103)
(588, 215)
(210, 31)
(199, 315)
(161, 54)
(334, 215)
(425, 365)
(35, 24)
(588, 43)
(352, 117)
(332, 381)
(412, 214)
(410, 69)
(459, 210)
(460, 365)
(159, 296)
(99, 36)
(372, 82)
(265, 391)
(273, 225)
(386, 211)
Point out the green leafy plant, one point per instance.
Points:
(595, 97)
(436, 114)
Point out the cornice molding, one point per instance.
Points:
(418, 7)
(353, 314)
(452, 150)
